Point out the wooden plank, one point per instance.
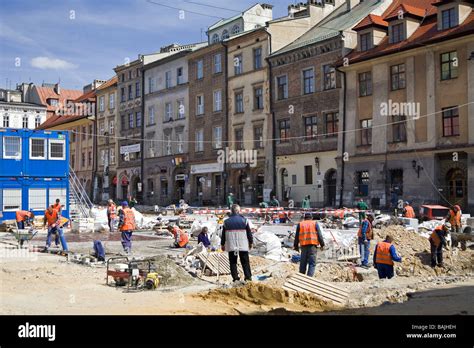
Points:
(317, 291)
(319, 282)
(288, 286)
(320, 286)
(316, 288)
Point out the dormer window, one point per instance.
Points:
(452, 13)
(215, 38)
(53, 102)
(397, 32)
(370, 32)
(235, 29)
(365, 41)
(448, 18)
(225, 35)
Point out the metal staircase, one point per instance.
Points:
(79, 202)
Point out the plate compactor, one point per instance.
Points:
(132, 273)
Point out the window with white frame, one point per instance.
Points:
(37, 199)
(11, 199)
(101, 127)
(12, 147)
(179, 76)
(217, 66)
(37, 121)
(102, 103)
(167, 144)
(112, 101)
(180, 109)
(151, 85)
(168, 112)
(199, 140)
(25, 121)
(57, 149)
(200, 105)
(168, 79)
(200, 69)
(218, 100)
(6, 121)
(217, 137)
(111, 127)
(179, 142)
(151, 115)
(37, 148)
(57, 193)
(112, 156)
(215, 38)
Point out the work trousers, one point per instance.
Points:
(244, 260)
(385, 271)
(308, 258)
(59, 234)
(20, 224)
(364, 250)
(127, 241)
(436, 254)
(111, 224)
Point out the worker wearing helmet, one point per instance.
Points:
(408, 211)
(126, 226)
(454, 218)
(438, 241)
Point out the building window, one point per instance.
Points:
(151, 85)
(131, 121)
(399, 133)
(151, 115)
(239, 102)
(397, 73)
(239, 139)
(37, 121)
(217, 100)
(111, 127)
(112, 156)
(84, 133)
(168, 112)
(89, 162)
(53, 102)
(397, 33)
(238, 66)
(282, 87)
(137, 89)
(217, 137)
(167, 144)
(112, 101)
(215, 38)
(179, 142)
(179, 76)
(37, 148)
(284, 131)
(448, 18)
(11, 147)
(329, 77)
(25, 121)
(11, 199)
(122, 78)
(258, 98)
(362, 179)
(122, 94)
(101, 103)
(257, 58)
(73, 161)
(101, 127)
(235, 29)
(130, 74)
(200, 69)
(138, 119)
(308, 81)
(331, 120)
(200, 105)
(6, 121)
(366, 132)
(365, 84)
(365, 42)
(83, 160)
(130, 96)
(57, 149)
(180, 112)
(449, 65)
(310, 127)
(199, 140)
(308, 175)
(91, 132)
(450, 121)
(217, 66)
(123, 122)
(258, 137)
(168, 79)
(225, 35)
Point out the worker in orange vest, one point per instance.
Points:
(126, 226)
(454, 218)
(309, 236)
(384, 255)
(181, 238)
(57, 206)
(364, 236)
(53, 220)
(408, 211)
(111, 214)
(22, 217)
(438, 241)
(283, 217)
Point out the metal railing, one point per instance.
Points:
(82, 201)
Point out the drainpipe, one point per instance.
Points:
(226, 120)
(142, 142)
(341, 192)
(272, 115)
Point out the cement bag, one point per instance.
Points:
(215, 241)
(196, 228)
(268, 245)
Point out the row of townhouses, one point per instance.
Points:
(338, 100)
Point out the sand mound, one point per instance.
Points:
(261, 294)
(172, 274)
(336, 272)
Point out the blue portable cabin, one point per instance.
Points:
(34, 171)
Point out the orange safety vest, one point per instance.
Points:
(111, 210)
(183, 237)
(455, 218)
(409, 213)
(368, 233)
(383, 253)
(434, 236)
(282, 215)
(57, 207)
(308, 234)
(128, 220)
(22, 214)
(51, 218)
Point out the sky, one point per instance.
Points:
(77, 41)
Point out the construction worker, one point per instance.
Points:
(53, 219)
(283, 217)
(384, 255)
(274, 202)
(454, 218)
(237, 239)
(22, 217)
(362, 206)
(204, 237)
(364, 236)
(309, 236)
(306, 204)
(181, 238)
(126, 226)
(57, 206)
(111, 214)
(408, 211)
(438, 241)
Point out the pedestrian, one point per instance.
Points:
(362, 206)
(309, 236)
(126, 226)
(364, 236)
(23, 217)
(306, 204)
(408, 211)
(230, 200)
(437, 242)
(111, 215)
(274, 202)
(181, 238)
(203, 237)
(454, 218)
(384, 255)
(237, 240)
(53, 220)
(133, 202)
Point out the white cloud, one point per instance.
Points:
(51, 63)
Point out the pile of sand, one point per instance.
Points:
(172, 274)
(336, 272)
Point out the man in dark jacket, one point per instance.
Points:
(237, 240)
(309, 236)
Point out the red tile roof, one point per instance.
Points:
(108, 83)
(406, 10)
(46, 93)
(371, 20)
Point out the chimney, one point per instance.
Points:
(351, 4)
(57, 89)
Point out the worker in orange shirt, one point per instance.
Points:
(22, 217)
(408, 211)
(53, 220)
(57, 206)
(181, 238)
(126, 226)
(111, 214)
(384, 255)
(309, 237)
(454, 218)
(437, 242)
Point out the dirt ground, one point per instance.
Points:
(38, 283)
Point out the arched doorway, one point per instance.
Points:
(330, 181)
(179, 186)
(284, 184)
(457, 186)
(124, 184)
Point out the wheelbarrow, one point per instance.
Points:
(23, 235)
